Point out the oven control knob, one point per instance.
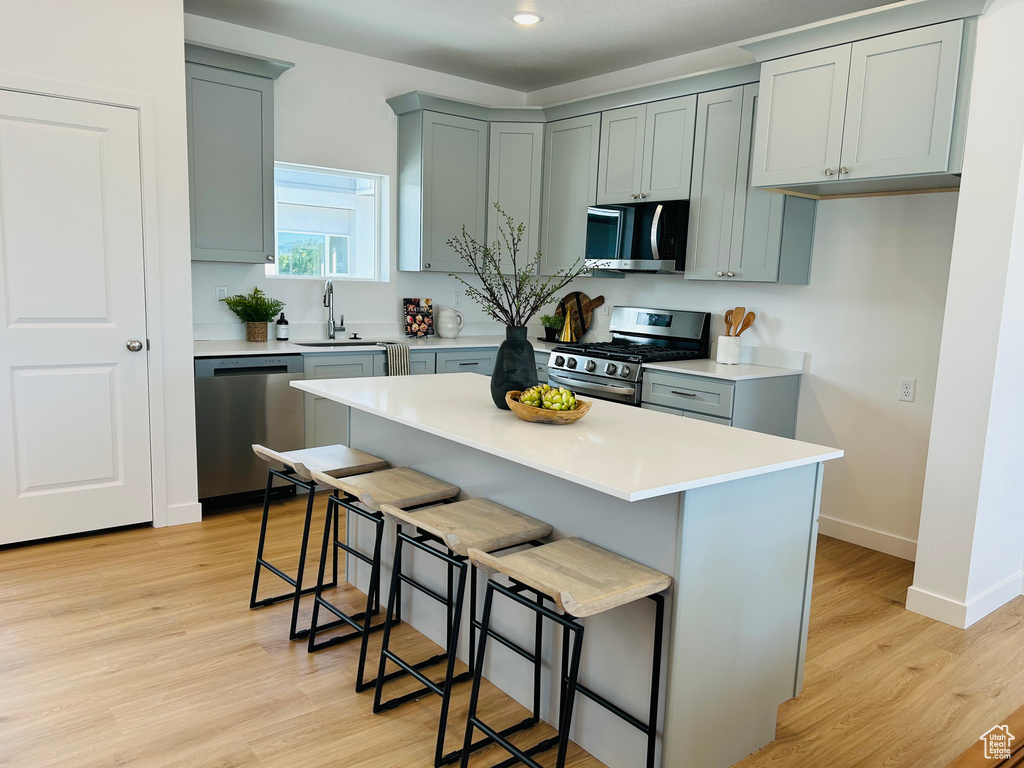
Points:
(571, 363)
(624, 371)
(611, 368)
(591, 365)
(559, 361)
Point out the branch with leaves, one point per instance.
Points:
(514, 296)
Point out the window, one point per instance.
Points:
(328, 223)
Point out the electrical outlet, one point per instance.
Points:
(222, 292)
(457, 300)
(908, 390)
(605, 308)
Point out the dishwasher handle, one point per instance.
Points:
(247, 365)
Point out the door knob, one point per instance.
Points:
(720, 274)
(829, 172)
(843, 170)
(632, 197)
(134, 345)
(730, 274)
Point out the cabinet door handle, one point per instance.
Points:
(829, 172)
(843, 170)
(730, 274)
(469, 363)
(632, 197)
(427, 265)
(684, 394)
(720, 274)
(643, 196)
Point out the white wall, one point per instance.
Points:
(125, 45)
(330, 111)
(972, 531)
(870, 315)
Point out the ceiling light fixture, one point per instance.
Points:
(525, 18)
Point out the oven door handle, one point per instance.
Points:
(611, 390)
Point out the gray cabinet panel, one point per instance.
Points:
(326, 422)
(420, 363)
(622, 153)
(691, 393)
(454, 187)
(570, 184)
(800, 122)
(668, 149)
(442, 186)
(231, 164)
(467, 361)
(899, 112)
(713, 189)
(514, 181)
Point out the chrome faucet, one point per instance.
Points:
(329, 303)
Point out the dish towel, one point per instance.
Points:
(397, 356)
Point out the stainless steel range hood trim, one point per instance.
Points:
(634, 265)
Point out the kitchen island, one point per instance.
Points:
(730, 514)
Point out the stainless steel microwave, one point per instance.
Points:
(637, 237)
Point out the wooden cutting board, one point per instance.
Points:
(578, 309)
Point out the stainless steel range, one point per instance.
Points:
(612, 370)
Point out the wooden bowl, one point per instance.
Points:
(542, 415)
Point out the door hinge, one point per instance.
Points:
(147, 345)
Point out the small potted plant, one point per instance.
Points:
(255, 310)
(552, 325)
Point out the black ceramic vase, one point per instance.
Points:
(515, 367)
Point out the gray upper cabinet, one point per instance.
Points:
(668, 149)
(877, 108)
(620, 169)
(899, 108)
(570, 185)
(231, 164)
(735, 232)
(442, 184)
(646, 151)
(514, 182)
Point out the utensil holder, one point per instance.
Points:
(728, 350)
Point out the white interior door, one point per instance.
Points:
(74, 410)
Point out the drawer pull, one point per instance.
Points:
(473, 363)
(684, 394)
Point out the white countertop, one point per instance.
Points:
(231, 347)
(712, 370)
(619, 450)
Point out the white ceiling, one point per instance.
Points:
(476, 39)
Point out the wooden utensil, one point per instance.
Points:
(737, 319)
(728, 322)
(577, 308)
(748, 321)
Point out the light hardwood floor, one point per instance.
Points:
(136, 648)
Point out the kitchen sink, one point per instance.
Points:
(329, 343)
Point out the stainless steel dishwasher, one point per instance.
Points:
(241, 401)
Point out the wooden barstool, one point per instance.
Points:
(299, 466)
(364, 495)
(582, 580)
(475, 523)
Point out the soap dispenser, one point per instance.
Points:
(282, 328)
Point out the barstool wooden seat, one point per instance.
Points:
(582, 580)
(364, 495)
(477, 524)
(299, 466)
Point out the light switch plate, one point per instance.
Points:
(457, 300)
(222, 292)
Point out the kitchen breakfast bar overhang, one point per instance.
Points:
(730, 514)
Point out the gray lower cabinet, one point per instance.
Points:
(514, 183)
(880, 107)
(736, 232)
(570, 186)
(467, 360)
(420, 363)
(762, 405)
(542, 357)
(231, 164)
(442, 187)
(326, 422)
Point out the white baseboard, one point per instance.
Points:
(183, 514)
(872, 538)
(960, 614)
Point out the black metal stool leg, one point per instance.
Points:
(372, 609)
(263, 540)
(453, 646)
(294, 633)
(332, 506)
(652, 722)
(478, 673)
(570, 692)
